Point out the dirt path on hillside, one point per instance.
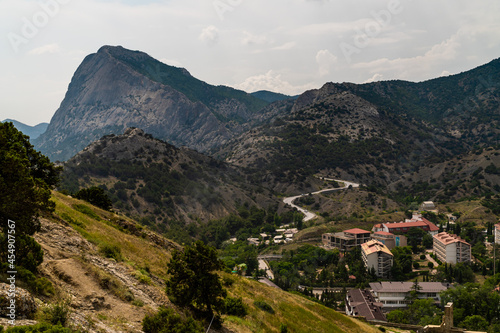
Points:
(71, 263)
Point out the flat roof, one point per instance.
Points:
(404, 287)
(357, 231)
(447, 238)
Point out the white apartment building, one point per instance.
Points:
(395, 294)
(451, 248)
(376, 255)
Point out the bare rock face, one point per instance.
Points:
(25, 305)
(116, 88)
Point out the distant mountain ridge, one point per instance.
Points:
(371, 133)
(32, 131)
(271, 97)
(378, 132)
(116, 88)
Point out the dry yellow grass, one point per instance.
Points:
(138, 251)
(297, 313)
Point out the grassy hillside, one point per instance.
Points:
(139, 270)
(297, 313)
(101, 228)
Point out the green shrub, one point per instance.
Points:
(235, 307)
(422, 257)
(111, 251)
(283, 328)
(96, 196)
(40, 328)
(142, 277)
(382, 329)
(167, 321)
(87, 211)
(56, 314)
(264, 306)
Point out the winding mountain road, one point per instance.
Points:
(309, 215)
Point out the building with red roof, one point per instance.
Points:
(347, 239)
(417, 221)
(451, 248)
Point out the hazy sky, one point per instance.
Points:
(286, 46)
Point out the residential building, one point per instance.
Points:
(377, 256)
(427, 206)
(360, 302)
(417, 221)
(395, 294)
(390, 240)
(451, 248)
(347, 239)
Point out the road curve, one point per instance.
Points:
(307, 214)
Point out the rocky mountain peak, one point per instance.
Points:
(117, 88)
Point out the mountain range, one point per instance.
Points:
(32, 131)
(373, 133)
(116, 88)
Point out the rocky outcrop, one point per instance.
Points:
(24, 306)
(117, 88)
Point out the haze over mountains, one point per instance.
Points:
(32, 131)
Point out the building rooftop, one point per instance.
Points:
(375, 246)
(356, 231)
(447, 238)
(363, 304)
(404, 287)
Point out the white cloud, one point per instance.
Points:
(210, 35)
(171, 62)
(251, 39)
(49, 48)
(271, 81)
(376, 77)
(409, 67)
(325, 60)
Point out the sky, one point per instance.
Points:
(286, 46)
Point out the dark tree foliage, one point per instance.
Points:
(402, 263)
(475, 306)
(96, 196)
(193, 281)
(26, 178)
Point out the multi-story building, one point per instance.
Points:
(451, 248)
(396, 294)
(377, 256)
(390, 240)
(360, 302)
(417, 221)
(347, 239)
